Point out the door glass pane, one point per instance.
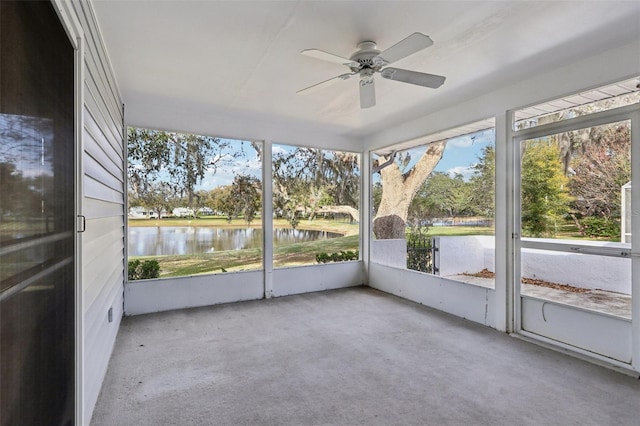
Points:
(36, 217)
(572, 189)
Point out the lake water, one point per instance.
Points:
(166, 240)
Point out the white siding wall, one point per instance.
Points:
(103, 171)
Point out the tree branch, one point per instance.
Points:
(391, 159)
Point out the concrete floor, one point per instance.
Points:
(348, 357)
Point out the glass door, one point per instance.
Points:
(573, 262)
(37, 216)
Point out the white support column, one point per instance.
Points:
(635, 240)
(504, 223)
(267, 217)
(365, 212)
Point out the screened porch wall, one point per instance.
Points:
(573, 77)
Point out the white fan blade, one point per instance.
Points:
(330, 57)
(410, 45)
(413, 77)
(326, 83)
(367, 93)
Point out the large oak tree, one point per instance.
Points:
(398, 190)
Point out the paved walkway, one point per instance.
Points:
(598, 300)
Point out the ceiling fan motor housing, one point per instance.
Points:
(367, 50)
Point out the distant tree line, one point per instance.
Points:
(309, 181)
(165, 168)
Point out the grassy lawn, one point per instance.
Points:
(457, 231)
(250, 259)
(566, 231)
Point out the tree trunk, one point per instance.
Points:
(398, 191)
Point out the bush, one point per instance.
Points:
(597, 227)
(342, 256)
(143, 270)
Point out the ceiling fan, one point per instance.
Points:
(368, 60)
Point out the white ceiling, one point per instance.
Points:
(207, 65)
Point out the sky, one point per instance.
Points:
(246, 164)
(459, 156)
(462, 153)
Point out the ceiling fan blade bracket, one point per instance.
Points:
(367, 92)
(378, 62)
(366, 81)
(388, 73)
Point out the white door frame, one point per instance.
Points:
(631, 113)
(73, 28)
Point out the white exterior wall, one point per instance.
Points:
(102, 167)
(471, 254)
(389, 252)
(458, 255)
(578, 270)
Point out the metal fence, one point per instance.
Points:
(421, 255)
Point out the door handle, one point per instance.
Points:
(82, 223)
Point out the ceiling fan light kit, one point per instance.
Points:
(368, 60)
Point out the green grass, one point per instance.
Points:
(305, 253)
(566, 231)
(250, 259)
(451, 231)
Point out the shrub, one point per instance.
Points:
(143, 270)
(342, 256)
(597, 227)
